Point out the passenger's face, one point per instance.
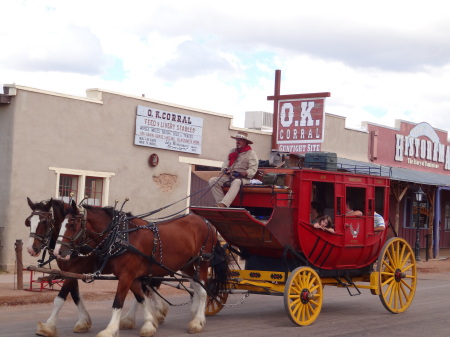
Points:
(324, 223)
(240, 143)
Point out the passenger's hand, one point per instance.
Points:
(226, 171)
(239, 174)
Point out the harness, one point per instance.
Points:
(45, 239)
(116, 242)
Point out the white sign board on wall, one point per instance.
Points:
(168, 130)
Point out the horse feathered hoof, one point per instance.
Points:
(196, 326)
(47, 330)
(161, 313)
(84, 326)
(127, 323)
(147, 330)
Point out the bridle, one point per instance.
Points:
(46, 219)
(75, 241)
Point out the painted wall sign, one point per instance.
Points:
(421, 147)
(168, 130)
(300, 125)
(413, 146)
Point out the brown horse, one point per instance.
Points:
(45, 223)
(188, 244)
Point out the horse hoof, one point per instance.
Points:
(195, 327)
(81, 328)
(147, 330)
(127, 324)
(46, 330)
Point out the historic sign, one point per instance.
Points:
(300, 125)
(421, 147)
(168, 130)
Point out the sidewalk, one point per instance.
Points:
(11, 295)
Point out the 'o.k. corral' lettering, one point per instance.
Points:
(422, 152)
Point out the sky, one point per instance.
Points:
(380, 60)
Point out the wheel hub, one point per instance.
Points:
(399, 275)
(305, 296)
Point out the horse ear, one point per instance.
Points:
(30, 203)
(48, 205)
(74, 205)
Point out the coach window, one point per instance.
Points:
(81, 184)
(357, 198)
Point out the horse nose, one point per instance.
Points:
(59, 253)
(32, 251)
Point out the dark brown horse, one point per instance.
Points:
(45, 223)
(187, 244)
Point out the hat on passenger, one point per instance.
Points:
(242, 135)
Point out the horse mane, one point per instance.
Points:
(108, 210)
(58, 203)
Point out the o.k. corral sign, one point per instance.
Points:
(168, 130)
(300, 125)
(298, 120)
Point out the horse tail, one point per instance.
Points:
(220, 271)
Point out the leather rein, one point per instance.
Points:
(116, 241)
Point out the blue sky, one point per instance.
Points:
(381, 61)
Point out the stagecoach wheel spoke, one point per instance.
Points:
(397, 272)
(303, 295)
(214, 305)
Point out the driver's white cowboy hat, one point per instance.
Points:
(242, 135)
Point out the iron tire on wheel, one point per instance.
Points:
(397, 275)
(214, 305)
(303, 295)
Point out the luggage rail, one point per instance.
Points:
(383, 171)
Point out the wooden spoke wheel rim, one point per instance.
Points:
(303, 295)
(214, 305)
(397, 272)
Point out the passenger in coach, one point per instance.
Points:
(324, 223)
(378, 223)
(316, 211)
(349, 210)
(239, 168)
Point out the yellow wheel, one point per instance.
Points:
(397, 272)
(214, 305)
(303, 295)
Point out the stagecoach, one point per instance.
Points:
(268, 227)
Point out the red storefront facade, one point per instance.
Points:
(420, 157)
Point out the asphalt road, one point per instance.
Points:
(259, 315)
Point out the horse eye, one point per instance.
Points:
(72, 223)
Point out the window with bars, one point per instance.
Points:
(68, 185)
(88, 187)
(93, 191)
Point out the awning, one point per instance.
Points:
(395, 173)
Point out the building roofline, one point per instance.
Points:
(96, 93)
(16, 87)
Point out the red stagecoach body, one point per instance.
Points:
(264, 220)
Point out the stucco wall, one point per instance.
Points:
(347, 143)
(50, 130)
(6, 157)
